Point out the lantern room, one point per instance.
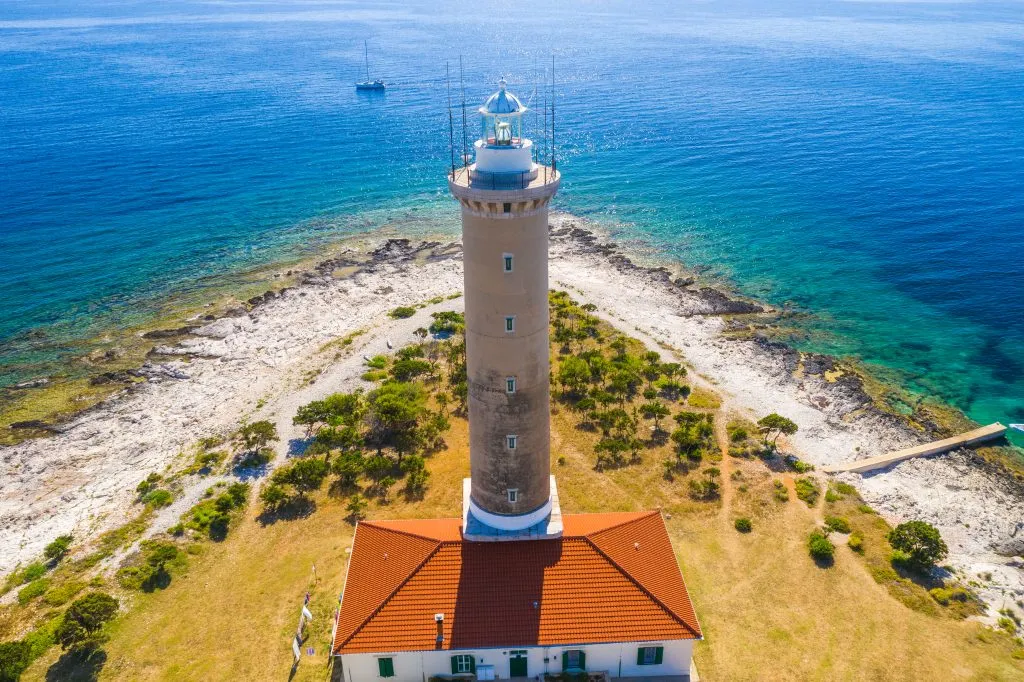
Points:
(501, 119)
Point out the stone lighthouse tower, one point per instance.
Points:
(504, 197)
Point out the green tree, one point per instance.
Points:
(921, 542)
(395, 411)
(655, 410)
(356, 508)
(274, 496)
(58, 549)
(349, 467)
(83, 622)
(775, 424)
(573, 374)
(307, 475)
(257, 435)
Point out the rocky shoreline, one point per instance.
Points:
(261, 359)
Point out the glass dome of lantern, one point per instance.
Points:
(501, 119)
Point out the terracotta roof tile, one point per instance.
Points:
(584, 587)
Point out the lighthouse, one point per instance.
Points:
(504, 196)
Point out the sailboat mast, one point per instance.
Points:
(366, 56)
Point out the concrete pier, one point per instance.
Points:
(985, 433)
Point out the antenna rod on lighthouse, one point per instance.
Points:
(451, 124)
(544, 143)
(465, 144)
(554, 161)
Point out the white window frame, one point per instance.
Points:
(513, 495)
(510, 324)
(511, 385)
(463, 663)
(508, 262)
(511, 441)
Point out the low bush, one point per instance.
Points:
(402, 312)
(704, 489)
(32, 590)
(832, 496)
(779, 491)
(58, 549)
(149, 569)
(374, 375)
(837, 524)
(948, 595)
(844, 488)
(447, 322)
(820, 547)
(377, 362)
(856, 542)
(743, 525)
(807, 490)
(865, 509)
(148, 484)
(158, 498)
(62, 594)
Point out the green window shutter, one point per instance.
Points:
(583, 660)
(658, 653)
(386, 667)
(472, 664)
(565, 660)
(455, 664)
(640, 656)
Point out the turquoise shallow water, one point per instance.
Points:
(860, 161)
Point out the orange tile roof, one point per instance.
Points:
(610, 578)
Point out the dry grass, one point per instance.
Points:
(768, 612)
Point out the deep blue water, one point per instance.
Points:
(858, 160)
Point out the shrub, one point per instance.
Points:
(409, 368)
(561, 460)
(62, 594)
(148, 483)
(779, 491)
(820, 547)
(32, 590)
(704, 489)
(274, 496)
(773, 426)
(356, 507)
(844, 488)
(374, 375)
(856, 541)
(799, 466)
(402, 312)
(837, 524)
(377, 362)
(921, 542)
(14, 659)
(58, 549)
(84, 620)
(807, 490)
(865, 509)
(158, 498)
(257, 435)
(33, 571)
(743, 525)
(900, 558)
(447, 322)
(948, 595)
(831, 496)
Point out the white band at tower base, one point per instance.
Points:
(510, 522)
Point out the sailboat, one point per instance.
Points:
(369, 84)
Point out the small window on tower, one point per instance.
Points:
(510, 384)
(513, 495)
(508, 262)
(506, 207)
(510, 323)
(511, 442)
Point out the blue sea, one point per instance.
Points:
(859, 161)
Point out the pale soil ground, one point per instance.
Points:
(260, 366)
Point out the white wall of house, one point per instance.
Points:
(619, 659)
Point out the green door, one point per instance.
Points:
(517, 664)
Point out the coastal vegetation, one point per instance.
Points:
(707, 468)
